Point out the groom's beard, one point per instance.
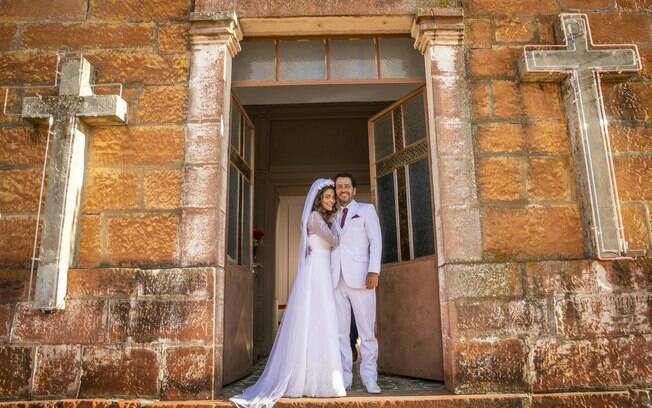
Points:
(342, 203)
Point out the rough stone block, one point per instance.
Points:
(188, 373)
(7, 34)
(619, 28)
(22, 145)
(174, 38)
(6, 314)
(15, 371)
(16, 240)
(447, 61)
(589, 399)
(79, 323)
(456, 184)
(90, 246)
(91, 283)
(201, 186)
(549, 179)
(138, 10)
(203, 143)
(635, 223)
(478, 33)
(88, 35)
(57, 371)
(142, 240)
(19, 190)
(462, 234)
(163, 104)
(156, 321)
(480, 101)
(481, 280)
(627, 101)
(548, 137)
(631, 139)
(162, 189)
(454, 137)
(484, 318)
(632, 5)
(497, 62)
(182, 282)
(542, 101)
(507, 101)
(43, 9)
(559, 277)
(631, 274)
(205, 102)
(489, 365)
(500, 137)
(139, 66)
(522, 8)
(646, 57)
(200, 235)
(632, 175)
(604, 315)
(514, 30)
(115, 372)
(449, 94)
(501, 178)
(571, 365)
(525, 233)
(585, 4)
(27, 66)
(110, 189)
(137, 145)
(14, 285)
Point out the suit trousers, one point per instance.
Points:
(363, 302)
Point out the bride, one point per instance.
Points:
(305, 359)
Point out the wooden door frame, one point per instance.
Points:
(436, 31)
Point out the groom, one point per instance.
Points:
(355, 268)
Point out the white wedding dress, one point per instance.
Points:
(305, 359)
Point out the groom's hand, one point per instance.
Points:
(372, 280)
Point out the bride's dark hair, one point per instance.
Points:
(316, 206)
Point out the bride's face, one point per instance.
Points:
(328, 199)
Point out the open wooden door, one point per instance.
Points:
(409, 320)
(239, 277)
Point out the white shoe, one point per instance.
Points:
(372, 387)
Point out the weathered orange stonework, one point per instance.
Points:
(524, 314)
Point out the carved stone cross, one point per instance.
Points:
(68, 113)
(583, 63)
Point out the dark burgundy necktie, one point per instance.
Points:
(344, 211)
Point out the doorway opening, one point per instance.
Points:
(378, 132)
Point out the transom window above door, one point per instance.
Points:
(264, 62)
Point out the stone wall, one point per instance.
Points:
(132, 194)
(534, 315)
(125, 331)
(528, 314)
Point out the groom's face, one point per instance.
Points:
(344, 190)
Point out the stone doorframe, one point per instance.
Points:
(215, 40)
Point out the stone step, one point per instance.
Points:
(625, 398)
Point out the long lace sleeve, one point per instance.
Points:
(317, 225)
